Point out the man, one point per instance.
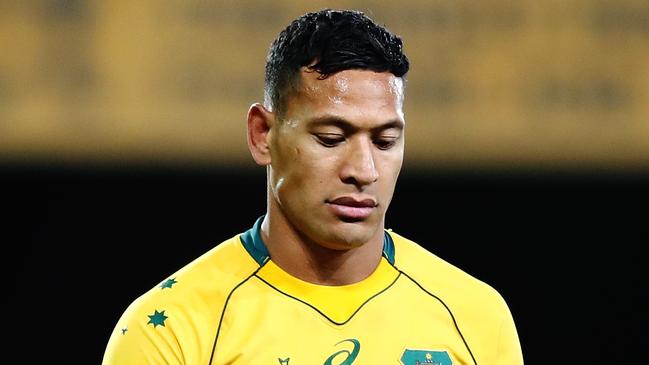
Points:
(318, 280)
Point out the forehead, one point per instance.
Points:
(351, 94)
(348, 81)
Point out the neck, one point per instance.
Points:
(312, 262)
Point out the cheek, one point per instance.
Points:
(391, 167)
(302, 166)
(301, 171)
(315, 162)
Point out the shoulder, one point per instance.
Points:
(444, 280)
(480, 312)
(181, 314)
(203, 283)
(209, 277)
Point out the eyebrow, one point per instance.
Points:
(348, 127)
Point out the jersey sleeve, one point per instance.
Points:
(509, 349)
(143, 336)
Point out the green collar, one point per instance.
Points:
(255, 246)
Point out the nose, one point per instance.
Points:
(359, 167)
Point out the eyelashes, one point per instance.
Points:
(332, 140)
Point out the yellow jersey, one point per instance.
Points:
(234, 305)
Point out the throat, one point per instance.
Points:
(335, 267)
(317, 262)
(323, 266)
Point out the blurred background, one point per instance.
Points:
(123, 156)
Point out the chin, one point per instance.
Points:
(350, 236)
(340, 246)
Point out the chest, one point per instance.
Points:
(401, 325)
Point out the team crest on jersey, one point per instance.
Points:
(425, 357)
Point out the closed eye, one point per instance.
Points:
(329, 140)
(385, 143)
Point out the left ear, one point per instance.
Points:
(260, 121)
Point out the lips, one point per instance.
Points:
(351, 202)
(350, 209)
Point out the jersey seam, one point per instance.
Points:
(447, 309)
(318, 310)
(225, 306)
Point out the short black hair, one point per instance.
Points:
(329, 41)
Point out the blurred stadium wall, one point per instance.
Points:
(123, 157)
(553, 84)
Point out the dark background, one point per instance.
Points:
(566, 250)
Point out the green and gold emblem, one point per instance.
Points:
(425, 357)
